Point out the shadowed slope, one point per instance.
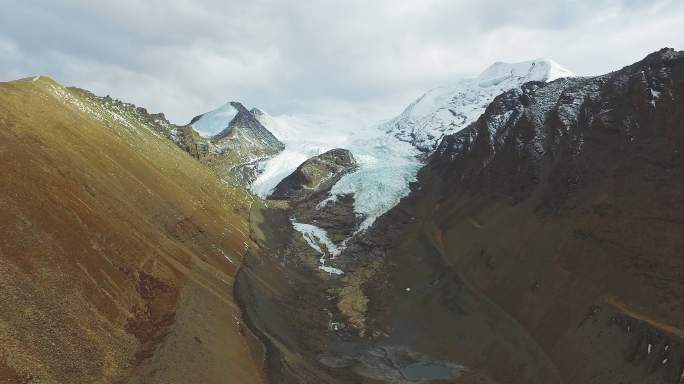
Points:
(563, 205)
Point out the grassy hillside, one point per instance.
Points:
(118, 249)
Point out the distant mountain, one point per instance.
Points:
(445, 110)
(213, 122)
(231, 140)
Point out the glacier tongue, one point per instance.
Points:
(386, 165)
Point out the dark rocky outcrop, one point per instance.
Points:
(317, 174)
(336, 216)
(307, 192)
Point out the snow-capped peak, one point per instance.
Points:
(446, 110)
(533, 70)
(214, 122)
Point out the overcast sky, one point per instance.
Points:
(363, 57)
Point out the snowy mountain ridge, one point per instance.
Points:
(446, 110)
(388, 153)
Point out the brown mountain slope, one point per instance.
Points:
(117, 249)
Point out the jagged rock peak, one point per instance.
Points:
(656, 58)
(242, 118)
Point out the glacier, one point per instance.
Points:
(386, 168)
(386, 165)
(388, 153)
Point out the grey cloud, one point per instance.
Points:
(183, 57)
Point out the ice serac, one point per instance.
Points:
(446, 110)
(231, 140)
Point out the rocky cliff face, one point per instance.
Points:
(128, 114)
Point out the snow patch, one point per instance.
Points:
(331, 270)
(318, 239)
(213, 122)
